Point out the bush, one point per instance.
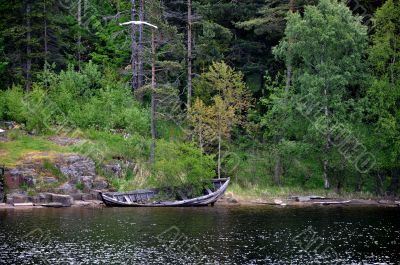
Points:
(83, 99)
(38, 111)
(14, 107)
(2, 105)
(181, 164)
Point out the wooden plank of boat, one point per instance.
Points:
(112, 199)
(332, 202)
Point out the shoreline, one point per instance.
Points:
(227, 201)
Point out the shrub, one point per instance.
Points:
(15, 108)
(181, 164)
(2, 105)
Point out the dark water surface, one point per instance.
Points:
(218, 235)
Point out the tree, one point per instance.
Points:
(189, 54)
(226, 109)
(326, 48)
(384, 93)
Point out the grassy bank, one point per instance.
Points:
(257, 192)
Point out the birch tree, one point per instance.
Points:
(325, 48)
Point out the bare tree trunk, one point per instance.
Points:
(46, 49)
(278, 163)
(219, 154)
(327, 140)
(79, 42)
(140, 53)
(189, 55)
(201, 136)
(278, 170)
(28, 81)
(153, 100)
(133, 47)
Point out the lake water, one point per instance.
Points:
(213, 235)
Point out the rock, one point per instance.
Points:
(23, 204)
(303, 198)
(67, 188)
(44, 197)
(87, 197)
(34, 199)
(16, 198)
(2, 131)
(385, 202)
(76, 196)
(82, 203)
(100, 184)
(8, 125)
(279, 202)
(87, 182)
(65, 141)
(53, 205)
(117, 167)
(49, 180)
(75, 167)
(231, 200)
(9, 200)
(96, 195)
(24, 174)
(65, 200)
(114, 169)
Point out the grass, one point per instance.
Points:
(274, 192)
(53, 170)
(24, 145)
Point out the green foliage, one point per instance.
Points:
(14, 107)
(180, 164)
(325, 48)
(53, 170)
(384, 95)
(322, 43)
(80, 186)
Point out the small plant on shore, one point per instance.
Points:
(80, 185)
(53, 170)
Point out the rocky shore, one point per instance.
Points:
(51, 179)
(231, 199)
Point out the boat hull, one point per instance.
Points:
(141, 198)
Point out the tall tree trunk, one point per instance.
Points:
(28, 68)
(327, 140)
(134, 47)
(189, 55)
(79, 42)
(278, 170)
(140, 53)
(219, 154)
(45, 38)
(278, 162)
(153, 100)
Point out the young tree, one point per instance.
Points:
(325, 48)
(227, 107)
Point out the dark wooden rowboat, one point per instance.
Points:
(143, 198)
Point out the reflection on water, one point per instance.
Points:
(218, 235)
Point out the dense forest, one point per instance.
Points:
(294, 93)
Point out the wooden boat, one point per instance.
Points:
(143, 198)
